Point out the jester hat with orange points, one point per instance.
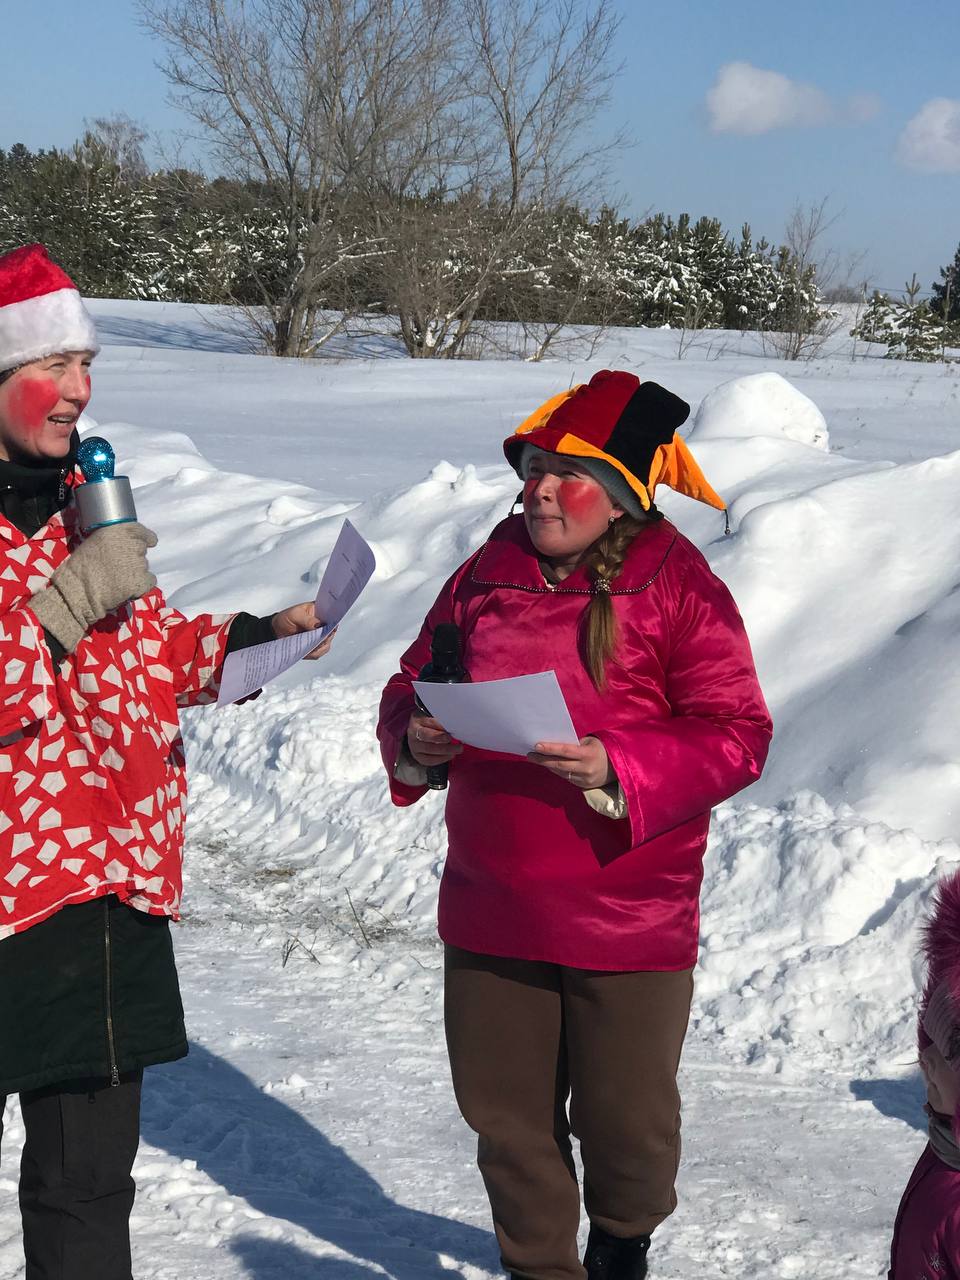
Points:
(628, 424)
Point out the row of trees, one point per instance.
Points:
(176, 235)
(434, 160)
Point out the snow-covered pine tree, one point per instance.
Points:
(945, 301)
(909, 329)
(16, 172)
(924, 334)
(879, 321)
(754, 287)
(77, 204)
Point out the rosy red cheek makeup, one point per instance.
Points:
(581, 499)
(32, 400)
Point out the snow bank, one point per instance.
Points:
(809, 933)
(849, 591)
(761, 404)
(845, 572)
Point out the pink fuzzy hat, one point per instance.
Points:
(41, 313)
(939, 1022)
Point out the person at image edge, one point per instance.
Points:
(92, 793)
(926, 1234)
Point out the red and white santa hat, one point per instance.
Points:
(41, 313)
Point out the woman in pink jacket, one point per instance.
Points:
(926, 1238)
(569, 900)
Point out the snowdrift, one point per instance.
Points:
(846, 573)
(762, 404)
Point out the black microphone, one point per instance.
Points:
(444, 667)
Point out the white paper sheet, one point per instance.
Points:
(348, 571)
(501, 715)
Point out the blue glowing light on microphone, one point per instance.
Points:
(96, 459)
(105, 499)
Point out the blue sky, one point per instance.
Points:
(863, 108)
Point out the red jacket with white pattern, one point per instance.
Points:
(92, 782)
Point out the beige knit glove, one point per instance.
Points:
(108, 568)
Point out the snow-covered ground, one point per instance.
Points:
(312, 1131)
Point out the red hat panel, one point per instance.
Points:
(597, 407)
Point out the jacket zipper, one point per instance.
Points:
(108, 960)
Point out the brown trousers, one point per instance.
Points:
(523, 1037)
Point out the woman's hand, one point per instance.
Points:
(428, 742)
(586, 764)
(301, 617)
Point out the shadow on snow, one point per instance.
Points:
(258, 1148)
(898, 1099)
(280, 1260)
(226, 334)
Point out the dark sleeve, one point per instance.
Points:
(246, 630)
(57, 651)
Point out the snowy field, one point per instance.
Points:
(312, 1132)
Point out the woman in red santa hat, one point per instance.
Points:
(92, 793)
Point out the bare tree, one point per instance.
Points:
(315, 99)
(541, 71)
(808, 268)
(121, 140)
(534, 75)
(860, 304)
(693, 324)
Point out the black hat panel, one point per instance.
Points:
(649, 419)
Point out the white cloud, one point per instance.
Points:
(749, 100)
(931, 140)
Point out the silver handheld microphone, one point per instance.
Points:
(104, 498)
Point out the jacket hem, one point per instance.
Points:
(122, 889)
(94, 1069)
(548, 955)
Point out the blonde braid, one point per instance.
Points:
(604, 564)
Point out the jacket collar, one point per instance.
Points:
(509, 559)
(22, 483)
(31, 478)
(60, 527)
(47, 481)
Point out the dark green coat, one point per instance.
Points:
(90, 992)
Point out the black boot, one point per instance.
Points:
(613, 1258)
